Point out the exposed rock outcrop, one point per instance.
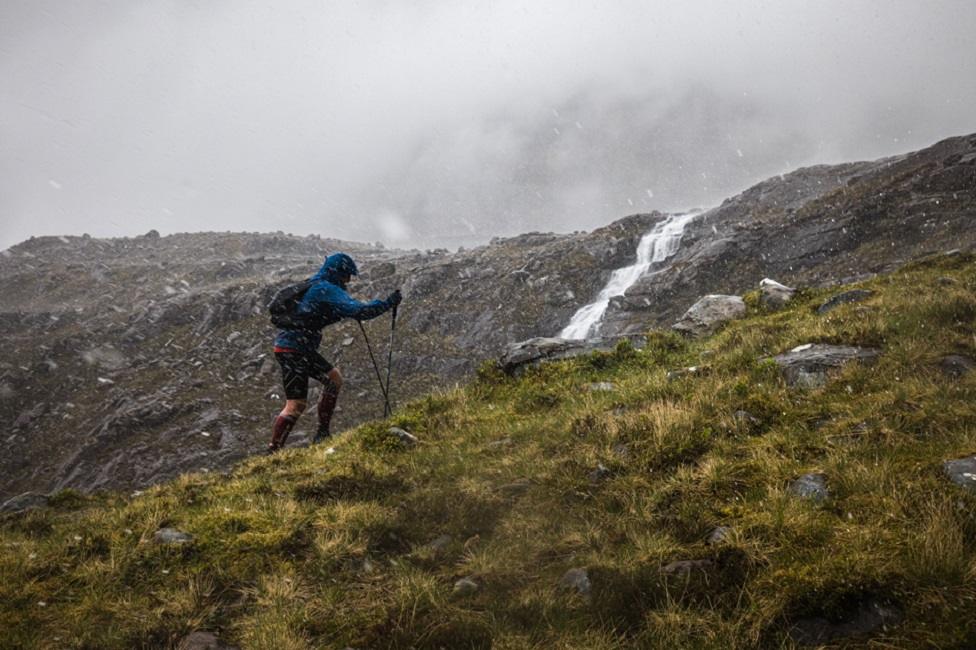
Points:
(710, 313)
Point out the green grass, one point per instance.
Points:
(309, 549)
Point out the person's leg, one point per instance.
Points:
(285, 422)
(294, 376)
(327, 402)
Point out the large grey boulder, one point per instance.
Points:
(25, 501)
(806, 366)
(537, 350)
(710, 313)
(774, 295)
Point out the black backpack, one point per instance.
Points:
(284, 305)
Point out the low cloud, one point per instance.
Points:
(440, 124)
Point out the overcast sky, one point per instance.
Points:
(445, 123)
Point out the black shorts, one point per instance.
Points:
(297, 367)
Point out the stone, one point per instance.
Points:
(203, 641)
(621, 450)
(406, 438)
(708, 314)
(540, 349)
(515, 488)
(746, 418)
(956, 366)
(962, 472)
(684, 372)
(172, 536)
(601, 387)
(806, 366)
(719, 535)
(576, 580)
(25, 501)
(685, 567)
(870, 616)
(810, 486)
(600, 474)
(439, 543)
(774, 295)
(465, 587)
(854, 295)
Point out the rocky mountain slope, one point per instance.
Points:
(129, 361)
(804, 477)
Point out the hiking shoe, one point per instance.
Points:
(270, 449)
(319, 437)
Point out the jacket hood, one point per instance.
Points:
(334, 266)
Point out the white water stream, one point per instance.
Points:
(656, 246)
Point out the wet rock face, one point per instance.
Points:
(813, 227)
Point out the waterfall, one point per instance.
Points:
(656, 246)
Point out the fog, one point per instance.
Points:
(443, 124)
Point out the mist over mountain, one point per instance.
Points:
(427, 125)
(132, 360)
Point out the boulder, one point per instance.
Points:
(870, 616)
(810, 486)
(854, 295)
(203, 641)
(962, 472)
(537, 350)
(406, 438)
(956, 365)
(684, 567)
(576, 580)
(710, 313)
(806, 366)
(718, 536)
(774, 295)
(465, 587)
(25, 501)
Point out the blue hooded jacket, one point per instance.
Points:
(325, 303)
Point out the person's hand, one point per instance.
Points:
(395, 298)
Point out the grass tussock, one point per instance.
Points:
(518, 480)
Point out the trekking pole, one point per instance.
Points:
(389, 363)
(379, 378)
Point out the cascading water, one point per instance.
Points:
(656, 246)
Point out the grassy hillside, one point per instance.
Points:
(518, 480)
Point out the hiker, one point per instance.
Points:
(324, 303)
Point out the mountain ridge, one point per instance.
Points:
(123, 353)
